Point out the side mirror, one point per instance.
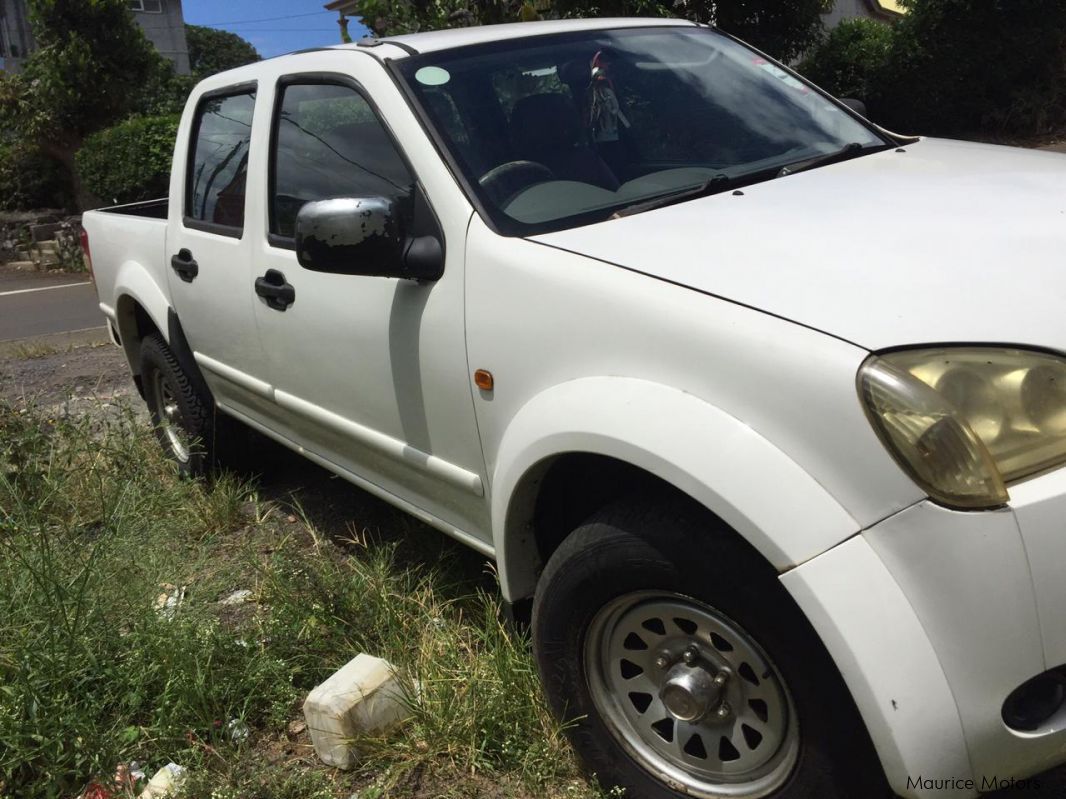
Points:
(364, 236)
(858, 106)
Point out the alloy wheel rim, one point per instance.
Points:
(170, 420)
(691, 696)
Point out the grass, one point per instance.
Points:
(93, 522)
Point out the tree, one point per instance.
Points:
(783, 28)
(212, 51)
(89, 71)
(964, 66)
(851, 61)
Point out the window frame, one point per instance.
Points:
(142, 9)
(318, 79)
(191, 222)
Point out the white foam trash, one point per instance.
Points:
(165, 782)
(364, 697)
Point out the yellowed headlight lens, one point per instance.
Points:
(1012, 402)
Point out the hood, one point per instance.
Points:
(946, 242)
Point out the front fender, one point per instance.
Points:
(719, 461)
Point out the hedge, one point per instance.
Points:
(29, 180)
(852, 59)
(130, 161)
(955, 67)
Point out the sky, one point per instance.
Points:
(274, 27)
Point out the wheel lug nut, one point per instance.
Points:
(691, 655)
(721, 678)
(661, 662)
(723, 711)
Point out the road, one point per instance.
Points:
(48, 306)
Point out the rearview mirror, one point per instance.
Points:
(858, 106)
(364, 236)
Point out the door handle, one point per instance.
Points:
(272, 287)
(185, 266)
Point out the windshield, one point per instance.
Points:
(556, 131)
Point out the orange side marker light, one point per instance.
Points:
(483, 380)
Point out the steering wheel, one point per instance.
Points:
(506, 180)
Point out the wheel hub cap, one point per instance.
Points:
(690, 692)
(691, 696)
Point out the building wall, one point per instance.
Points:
(166, 30)
(16, 40)
(875, 9)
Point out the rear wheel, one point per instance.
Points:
(689, 669)
(191, 432)
(181, 417)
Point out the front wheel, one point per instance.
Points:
(689, 670)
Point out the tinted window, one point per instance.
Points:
(330, 143)
(219, 167)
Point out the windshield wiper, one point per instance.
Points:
(843, 154)
(710, 186)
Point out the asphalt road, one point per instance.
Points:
(36, 305)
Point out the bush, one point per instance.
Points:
(29, 180)
(975, 66)
(131, 161)
(851, 60)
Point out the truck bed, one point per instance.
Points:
(129, 252)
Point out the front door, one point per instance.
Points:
(368, 373)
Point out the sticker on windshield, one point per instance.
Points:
(780, 74)
(432, 76)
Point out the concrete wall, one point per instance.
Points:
(166, 30)
(16, 40)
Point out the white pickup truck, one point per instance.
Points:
(760, 409)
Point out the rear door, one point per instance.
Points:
(207, 250)
(369, 373)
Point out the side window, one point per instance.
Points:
(218, 166)
(330, 143)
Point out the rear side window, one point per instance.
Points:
(218, 166)
(328, 143)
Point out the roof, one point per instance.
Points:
(433, 41)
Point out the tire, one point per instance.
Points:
(702, 604)
(193, 435)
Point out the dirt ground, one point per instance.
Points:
(70, 380)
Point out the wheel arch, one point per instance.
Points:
(141, 310)
(595, 438)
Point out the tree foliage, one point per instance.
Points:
(954, 67)
(212, 51)
(959, 66)
(130, 161)
(851, 61)
(782, 28)
(90, 69)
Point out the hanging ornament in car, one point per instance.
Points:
(605, 112)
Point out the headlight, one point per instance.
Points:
(964, 422)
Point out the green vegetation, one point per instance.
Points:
(955, 67)
(90, 69)
(851, 61)
(782, 28)
(28, 179)
(130, 161)
(212, 51)
(94, 525)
